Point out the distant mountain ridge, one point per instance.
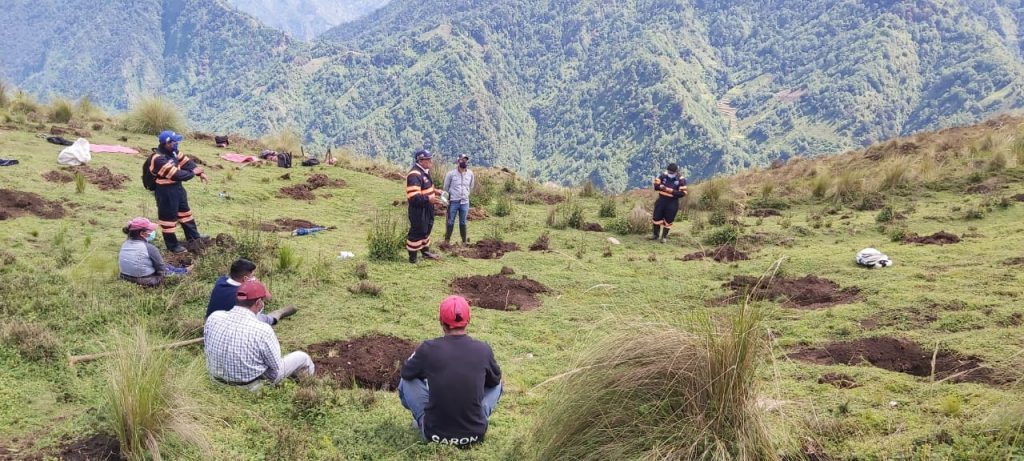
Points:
(560, 90)
(305, 19)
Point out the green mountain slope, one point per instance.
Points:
(564, 91)
(305, 19)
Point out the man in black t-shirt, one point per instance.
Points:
(451, 384)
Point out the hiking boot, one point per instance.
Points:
(664, 240)
(412, 257)
(431, 256)
(179, 249)
(282, 313)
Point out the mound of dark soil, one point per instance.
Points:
(541, 244)
(1014, 261)
(809, 292)
(499, 292)
(900, 355)
(483, 249)
(314, 182)
(95, 448)
(592, 227)
(724, 253)
(14, 203)
(840, 380)
(372, 362)
(281, 225)
(476, 214)
(101, 177)
(1018, 197)
(764, 213)
(979, 189)
(938, 238)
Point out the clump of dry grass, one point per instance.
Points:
(32, 340)
(151, 115)
(284, 140)
(149, 400)
(365, 287)
(660, 393)
(847, 188)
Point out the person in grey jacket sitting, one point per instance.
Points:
(458, 183)
(139, 261)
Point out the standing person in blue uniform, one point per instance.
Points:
(671, 187)
(422, 196)
(171, 168)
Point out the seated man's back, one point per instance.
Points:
(239, 348)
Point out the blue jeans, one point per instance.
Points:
(462, 209)
(415, 394)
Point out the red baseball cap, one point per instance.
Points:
(455, 312)
(141, 223)
(252, 289)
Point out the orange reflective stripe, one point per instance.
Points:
(667, 225)
(183, 160)
(657, 181)
(186, 219)
(665, 194)
(413, 188)
(660, 222)
(164, 182)
(428, 191)
(413, 172)
(164, 168)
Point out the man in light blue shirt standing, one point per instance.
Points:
(458, 183)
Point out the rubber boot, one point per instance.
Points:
(664, 235)
(282, 313)
(656, 230)
(448, 232)
(462, 232)
(412, 257)
(427, 254)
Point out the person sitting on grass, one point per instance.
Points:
(225, 292)
(243, 351)
(139, 261)
(451, 384)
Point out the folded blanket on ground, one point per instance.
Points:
(238, 158)
(8, 162)
(113, 149)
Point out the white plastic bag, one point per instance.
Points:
(75, 154)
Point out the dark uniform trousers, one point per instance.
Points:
(172, 208)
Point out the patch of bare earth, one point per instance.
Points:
(808, 292)
(14, 204)
(903, 356)
(499, 292)
(725, 253)
(372, 362)
(938, 238)
(483, 249)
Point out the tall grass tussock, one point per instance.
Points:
(284, 140)
(384, 239)
(149, 398)
(660, 393)
(153, 114)
(61, 110)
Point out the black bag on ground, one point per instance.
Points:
(284, 160)
(222, 141)
(60, 141)
(148, 180)
(310, 162)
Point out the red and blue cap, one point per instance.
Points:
(454, 312)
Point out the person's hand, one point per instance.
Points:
(434, 200)
(205, 179)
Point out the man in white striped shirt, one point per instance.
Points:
(243, 351)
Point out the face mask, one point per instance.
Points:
(672, 175)
(462, 165)
(151, 236)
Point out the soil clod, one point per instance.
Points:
(14, 203)
(541, 244)
(372, 362)
(763, 213)
(280, 225)
(101, 177)
(499, 292)
(476, 214)
(1019, 197)
(592, 227)
(809, 292)
(903, 356)
(840, 380)
(725, 253)
(95, 448)
(938, 238)
(979, 189)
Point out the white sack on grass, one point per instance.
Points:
(75, 154)
(870, 257)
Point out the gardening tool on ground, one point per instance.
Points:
(90, 357)
(283, 313)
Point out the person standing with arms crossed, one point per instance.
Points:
(459, 184)
(171, 168)
(671, 187)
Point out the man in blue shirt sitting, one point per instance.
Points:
(225, 292)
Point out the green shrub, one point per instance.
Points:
(847, 188)
(898, 234)
(287, 259)
(86, 109)
(361, 271)
(568, 214)
(438, 172)
(510, 186)
(821, 185)
(384, 239)
(718, 218)
(24, 103)
(769, 202)
(152, 115)
(61, 111)
(638, 221)
(609, 208)
(503, 207)
(79, 183)
(712, 193)
(483, 191)
(495, 232)
(885, 215)
(950, 405)
(973, 213)
(663, 394)
(33, 341)
(997, 162)
(148, 398)
(725, 235)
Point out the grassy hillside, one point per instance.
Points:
(560, 91)
(59, 283)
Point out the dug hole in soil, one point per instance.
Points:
(938, 238)
(305, 191)
(483, 249)
(499, 292)
(101, 177)
(724, 253)
(808, 292)
(279, 225)
(98, 447)
(372, 362)
(14, 203)
(903, 356)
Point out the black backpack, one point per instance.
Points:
(284, 160)
(148, 180)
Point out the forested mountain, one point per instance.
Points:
(562, 90)
(305, 19)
